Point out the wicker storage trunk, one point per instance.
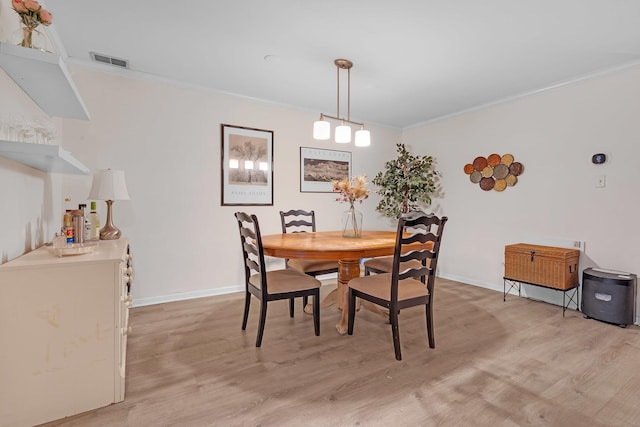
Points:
(542, 265)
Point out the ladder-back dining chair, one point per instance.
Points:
(378, 265)
(301, 221)
(412, 277)
(271, 285)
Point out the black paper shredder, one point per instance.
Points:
(609, 296)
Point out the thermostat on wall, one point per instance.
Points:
(598, 159)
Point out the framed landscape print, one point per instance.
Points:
(318, 167)
(247, 166)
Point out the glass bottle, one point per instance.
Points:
(86, 226)
(67, 210)
(77, 219)
(94, 223)
(68, 227)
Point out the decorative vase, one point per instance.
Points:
(27, 37)
(352, 223)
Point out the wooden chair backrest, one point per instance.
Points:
(298, 221)
(418, 238)
(252, 252)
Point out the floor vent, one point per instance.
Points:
(117, 62)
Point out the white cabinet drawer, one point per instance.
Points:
(68, 354)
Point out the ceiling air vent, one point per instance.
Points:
(117, 62)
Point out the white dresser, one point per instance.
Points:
(63, 332)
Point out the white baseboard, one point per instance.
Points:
(141, 302)
(330, 278)
(326, 279)
(467, 281)
(187, 295)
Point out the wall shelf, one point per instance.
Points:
(45, 78)
(47, 158)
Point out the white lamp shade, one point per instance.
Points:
(321, 130)
(343, 134)
(363, 138)
(108, 185)
(234, 164)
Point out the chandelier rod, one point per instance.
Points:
(326, 116)
(349, 93)
(344, 64)
(338, 90)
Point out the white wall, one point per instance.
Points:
(29, 199)
(554, 135)
(167, 140)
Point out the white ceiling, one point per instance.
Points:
(414, 60)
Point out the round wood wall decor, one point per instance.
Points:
(516, 169)
(475, 177)
(487, 183)
(493, 160)
(501, 171)
(468, 168)
(500, 185)
(479, 163)
(494, 172)
(506, 159)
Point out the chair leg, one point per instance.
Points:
(429, 312)
(393, 314)
(390, 316)
(305, 301)
(247, 301)
(316, 312)
(352, 312)
(263, 318)
(291, 301)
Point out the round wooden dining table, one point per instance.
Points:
(331, 245)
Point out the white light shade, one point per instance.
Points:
(363, 138)
(108, 185)
(264, 166)
(321, 130)
(248, 164)
(234, 164)
(343, 134)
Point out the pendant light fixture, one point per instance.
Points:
(322, 128)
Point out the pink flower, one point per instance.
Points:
(45, 17)
(32, 5)
(19, 6)
(31, 13)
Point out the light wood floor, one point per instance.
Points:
(514, 363)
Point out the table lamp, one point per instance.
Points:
(109, 185)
